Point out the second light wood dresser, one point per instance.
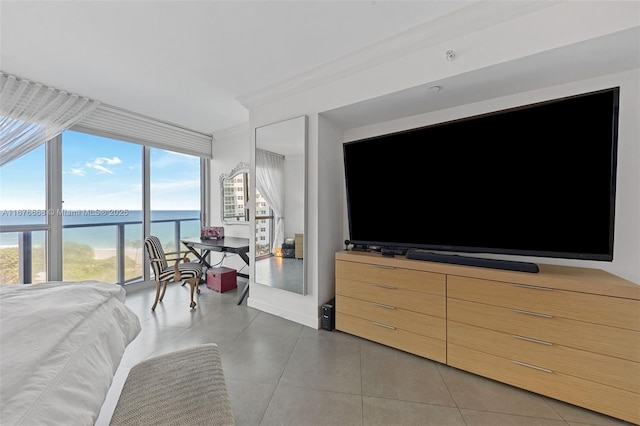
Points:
(568, 333)
(299, 246)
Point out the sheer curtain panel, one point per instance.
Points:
(270, 183)
(31, 114)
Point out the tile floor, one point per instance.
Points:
(282, 373)
(280, 272)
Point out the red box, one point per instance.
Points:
(221, 279)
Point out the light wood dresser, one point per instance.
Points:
(569, 333)
(299, 246)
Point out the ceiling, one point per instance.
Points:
(187, 62)
(612, 53)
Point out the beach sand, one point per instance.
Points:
(132, 253)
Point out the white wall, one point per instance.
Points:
(479, 47)
(332, 205)
(626, 261)
(230, 148)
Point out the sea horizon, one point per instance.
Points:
(102, 234)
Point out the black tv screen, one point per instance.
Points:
(536, 180)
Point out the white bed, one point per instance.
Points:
(60, 345)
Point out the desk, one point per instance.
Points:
(239, 246)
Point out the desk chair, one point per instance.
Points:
(185, 271)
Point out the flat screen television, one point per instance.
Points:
(535, 180)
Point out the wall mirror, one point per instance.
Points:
(234, 195)
(280, 204)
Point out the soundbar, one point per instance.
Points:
(509, 265)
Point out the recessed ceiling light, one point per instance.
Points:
(435, 88)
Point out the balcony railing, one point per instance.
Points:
(25, 244)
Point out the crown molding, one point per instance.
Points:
(231, 132)
(477, 16)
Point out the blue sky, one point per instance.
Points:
(100, 173)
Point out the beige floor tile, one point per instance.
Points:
(307, 407)
(478, 393)
(261, 359)
(483, 418)
(315, 364)
(393, 374)
(388, 412)
(270, 325)
(578, 415)
(249, 401)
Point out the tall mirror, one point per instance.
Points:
(234, 195)
(280, 204)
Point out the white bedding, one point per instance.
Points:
(60, 345)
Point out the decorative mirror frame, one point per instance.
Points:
(242, 167)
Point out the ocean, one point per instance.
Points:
(102, 234)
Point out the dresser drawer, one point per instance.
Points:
(613, 311)
(417, 344)
(601, 339)
(598, 368)
(425, 325)
(406, 279)
(609, 400)
(395, 296)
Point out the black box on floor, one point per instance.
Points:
(328, 316)
(288, 250)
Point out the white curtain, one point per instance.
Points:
(270, 183)
(31, 114)
(116, 123)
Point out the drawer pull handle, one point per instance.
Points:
(382, 305)
(535, 367)
(536, 314)
(533, 287)
(529, 339)
(385, 266)
(379, 324)
(390, 287)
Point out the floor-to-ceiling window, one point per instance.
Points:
(175, 197)
(102, 205)
(101, 188)
(23, 219)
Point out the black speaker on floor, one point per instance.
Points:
(328, 316)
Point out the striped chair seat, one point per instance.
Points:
(187, 270)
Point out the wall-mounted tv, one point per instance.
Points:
(535, 180)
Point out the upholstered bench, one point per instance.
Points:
(185, 387)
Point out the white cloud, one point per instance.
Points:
(106, 160)
(77, 171)
(99, 168)
(99, 164)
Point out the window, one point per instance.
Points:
(235, 188)
(23, 219)
(264, 234)
(175, 197)
(101, 228)
(102, 205)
